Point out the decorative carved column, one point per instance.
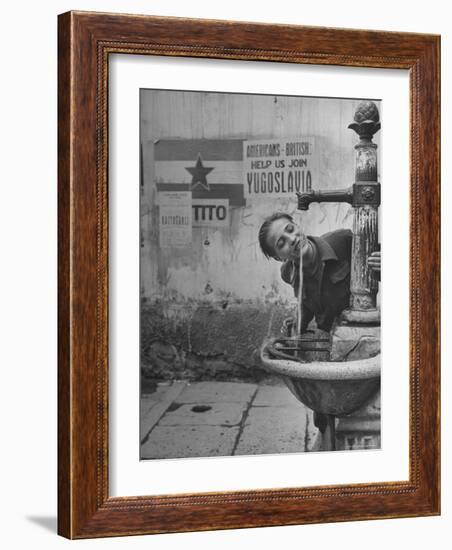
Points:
(361, 430)
(366, 199)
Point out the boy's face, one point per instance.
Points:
(285, 238)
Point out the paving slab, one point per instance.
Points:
(204, 414)
(154, 405)
(275, 396)
(184, 442)
(217, 392)
(272, 430)
(148, 400)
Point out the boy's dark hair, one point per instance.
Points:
(263, 232)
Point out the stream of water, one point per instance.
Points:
(300, 286)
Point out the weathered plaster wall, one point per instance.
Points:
(220, 294)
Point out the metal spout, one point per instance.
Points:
(333, 195)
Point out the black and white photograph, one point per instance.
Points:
(259, 274)
(225, 226)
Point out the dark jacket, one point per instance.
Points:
(327, 293)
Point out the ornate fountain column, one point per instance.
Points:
(366, 200)
(361, 430)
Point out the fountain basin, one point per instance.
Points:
(334, 388)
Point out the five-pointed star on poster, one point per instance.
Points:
(199, 173)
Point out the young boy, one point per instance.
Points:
(326, 266)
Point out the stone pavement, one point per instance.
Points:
(201, 419)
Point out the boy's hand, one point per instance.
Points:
(374, 261)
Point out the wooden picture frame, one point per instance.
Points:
(85, 42)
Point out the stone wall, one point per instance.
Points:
(206, 341)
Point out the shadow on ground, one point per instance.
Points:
(49, 523)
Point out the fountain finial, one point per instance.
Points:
(366, 120)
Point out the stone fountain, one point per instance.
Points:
(339, 374)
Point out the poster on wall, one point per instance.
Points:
(175, 219)
(207, 168)
(210, 212)
(279, 167)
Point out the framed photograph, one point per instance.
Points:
(248, 275)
